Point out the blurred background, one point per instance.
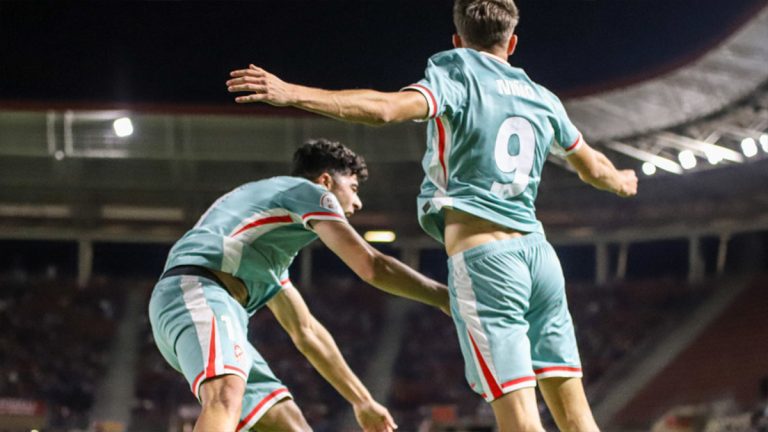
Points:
(116, 133)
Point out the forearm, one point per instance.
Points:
(396, 278)
(318, 346)
(360, 106)
(602, 174)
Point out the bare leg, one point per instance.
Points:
(222, 399)
(568, 404)
(284, 416)
(517, 411)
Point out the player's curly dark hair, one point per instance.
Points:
(485, 23)
(320, 155)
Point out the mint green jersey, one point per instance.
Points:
(255, 231)
(490, 131)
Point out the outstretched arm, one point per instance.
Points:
(318, 346)
(359, 106)
(382, 271)
(595, 169)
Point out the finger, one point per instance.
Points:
(256, 88)
(391, 422)
(250, 98)
(254, 67)
(246, 79)
(251, 72)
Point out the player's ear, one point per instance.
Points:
(325, 180)
(457, 42)
(512, 45)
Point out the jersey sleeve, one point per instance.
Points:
(568, 137)
(442, 87)
(312, 202)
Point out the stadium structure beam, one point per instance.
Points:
(645, 156)
(702, 148)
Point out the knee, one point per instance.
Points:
(223, 393)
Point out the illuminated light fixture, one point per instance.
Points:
(749, 147)
(123, 127)
(380, 236)
(764, 142)
(714, 157)
(687, 159)
(649, 169)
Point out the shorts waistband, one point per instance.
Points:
(192, 270)
(506, 245)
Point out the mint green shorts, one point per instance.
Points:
(202, 332)
(511, 314)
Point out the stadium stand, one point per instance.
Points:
(71, 328)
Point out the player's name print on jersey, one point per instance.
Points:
(514, 88)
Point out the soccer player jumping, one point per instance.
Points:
(490, 130)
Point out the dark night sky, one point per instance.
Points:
(181, 52)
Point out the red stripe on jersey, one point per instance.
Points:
(441, 148)
(285, 282)
(432, 112)
(492, 384)
(517, 381)
(264, 221)
(575, 143)
(256, 409)
(322, 214)
(557, 368)
(210, 371)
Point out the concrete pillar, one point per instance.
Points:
(84, 261)
(621, 265)
(601, 263)
(722, 253)
(695, 261)
(306, 269)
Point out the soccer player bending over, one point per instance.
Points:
(235, 260)
(489, 133)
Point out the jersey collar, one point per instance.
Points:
(496, 58)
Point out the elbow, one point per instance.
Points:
(387, 114)
(302, 339)
(370, 272)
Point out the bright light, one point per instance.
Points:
(123, 127)
(649, 169)
(714, 157)
(380, 236)
(687, 159)
(748, 147)
(764, 142)
(58, 155)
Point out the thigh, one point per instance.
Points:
(517, 411)
(489, 295)
(284, 416)
(554, 351)
(199, 329)
(568, 403)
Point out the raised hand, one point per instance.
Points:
(263, 86)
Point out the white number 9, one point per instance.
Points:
(522, 163)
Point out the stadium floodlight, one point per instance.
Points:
(749, 147)
(649, 169)
(687, 159)
(123, 127)
(645, 156)
(714, 157)
(700, 148)
(380, 236)
(764, 142)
